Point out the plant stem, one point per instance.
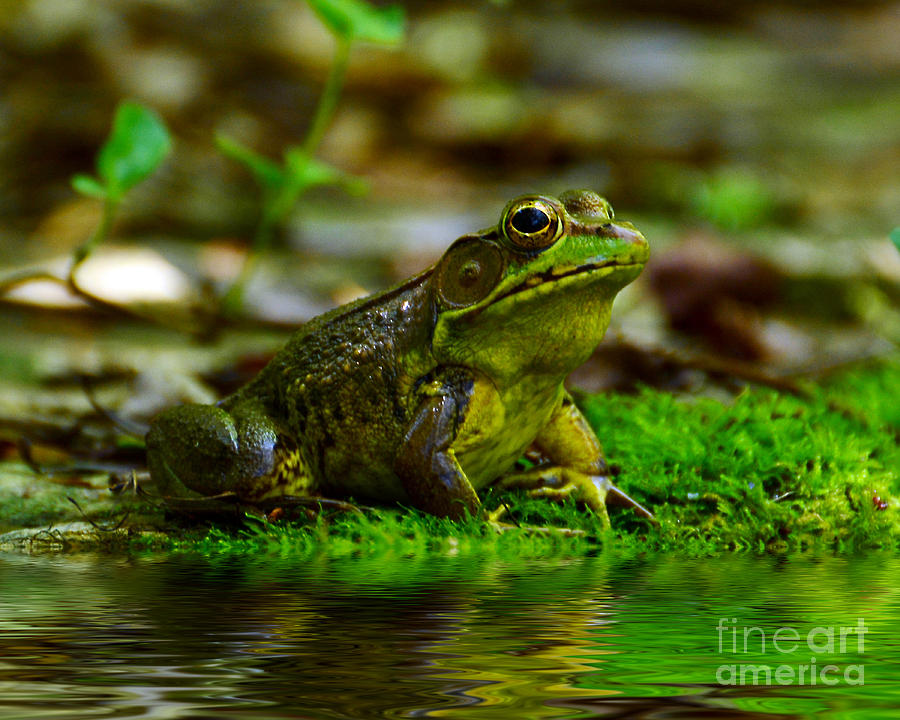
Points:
(275, 207)
(110, 207)
(233, 300)
(330, 95)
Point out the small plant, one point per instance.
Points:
(137, 144)
(282, 184)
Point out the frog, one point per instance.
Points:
(432, 391)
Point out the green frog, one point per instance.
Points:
(431, 391)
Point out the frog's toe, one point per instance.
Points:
(597, 491)
(561, 483)
(591, 490)
(492, 517)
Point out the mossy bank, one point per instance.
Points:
(760, 472)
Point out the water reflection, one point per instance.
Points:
(269, 637)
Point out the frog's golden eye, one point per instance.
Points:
(532, 223)
(469, 270)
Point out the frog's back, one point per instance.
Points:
(340, 389)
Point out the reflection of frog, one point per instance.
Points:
(429, 391)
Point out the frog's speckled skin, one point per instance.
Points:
(429, 391)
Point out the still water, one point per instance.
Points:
(265, 637)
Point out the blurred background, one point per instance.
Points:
(756, 144)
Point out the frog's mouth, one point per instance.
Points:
(550, 277)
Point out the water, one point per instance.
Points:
(263, 637)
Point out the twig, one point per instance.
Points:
(117, 526)
(129, 427)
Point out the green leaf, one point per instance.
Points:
(137, 145)
(301, 173)
(90, 186)
(895, 237)
(357, 20)
(267, 172)
(308, 172)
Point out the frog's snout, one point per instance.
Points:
(635, 248)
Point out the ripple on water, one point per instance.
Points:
(269, 637)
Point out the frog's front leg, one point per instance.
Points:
(576, 465)
(202, 450)
(426, 462)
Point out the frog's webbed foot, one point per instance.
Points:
(558, 483)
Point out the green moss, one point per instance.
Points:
(766, 471)
(388, 533)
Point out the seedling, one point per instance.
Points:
(137, 144)
(283, 184)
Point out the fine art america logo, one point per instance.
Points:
(804, 657)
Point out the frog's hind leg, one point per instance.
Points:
(289, 476)
(201, 450)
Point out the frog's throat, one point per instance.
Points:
(558, 273)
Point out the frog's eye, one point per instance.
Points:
(469, 270)
(532, 223)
